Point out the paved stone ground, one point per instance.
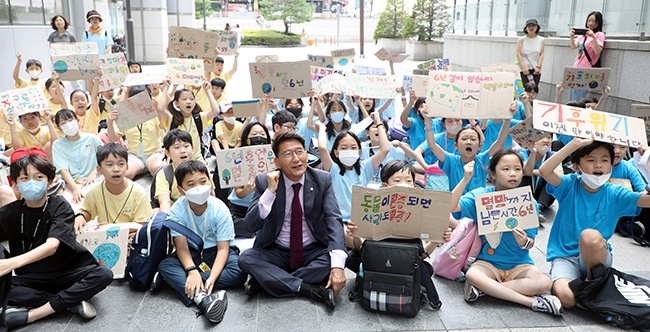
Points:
(121, 309)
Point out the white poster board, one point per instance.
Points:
(147, 77)
(115, 71)
(237, 166)
(280, 79)
(335, 83)
(501, 211)
(585, 78)
(374, 86)
(318, 73)
(135, 111)
(24, 100)
(384, 54)
(507, 68)
(75, 61)
(185, 71)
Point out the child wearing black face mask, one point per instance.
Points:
(240, 198)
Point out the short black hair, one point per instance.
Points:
(383, 121)
(395, 166)
(500, 154)
(176, 135)
(40, 163)
(133, 62)
(576, 103)
(137, 89)
(286, 136)
(32, 62)
(189, 167)
(298, 100)
(218, 82)
(247, 130)
(37, 113)
(530, 87)
(77, 91)
(283, 117)
(587, 100)
(585, 150)
(64, 114)
(49, 82)
(67, 23)
(118, 150)
(218, 60)
(468, 128)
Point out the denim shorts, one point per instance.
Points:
(573, 267)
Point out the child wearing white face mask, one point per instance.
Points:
(33, 67)
(200, 279)
(344, 164)
(70, 155)
(535, 155)
(227, 133)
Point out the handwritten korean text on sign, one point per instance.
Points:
(237, 166)
(185, 71)
(585, 78)
(115, 71)
(75, 61)
(135, 110)
(21, 101)
(501, 211)
(280, 79)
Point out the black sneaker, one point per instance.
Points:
(84, 309)
(16, 317)
(214, 306)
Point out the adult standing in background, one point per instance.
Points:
(590, 46)
(530, 53)
(61, 34)
(96, 33)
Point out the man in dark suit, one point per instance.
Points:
(300, 243)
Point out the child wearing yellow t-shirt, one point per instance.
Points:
(227, 133)
(33, 67)
(31, 135)
(88, 119)
(116, 199)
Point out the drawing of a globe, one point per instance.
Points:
(107, 254)
(511, 223)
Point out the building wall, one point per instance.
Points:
(625, 58)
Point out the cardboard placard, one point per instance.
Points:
(436, 64)
(343, 57)
(524, 132)
(335, 83)
(642, 111)
(501, 211)
(581, 122)
(470, 95)
(423, 72)
(134, 111)
(420, 85)
(280, 79)
(246, 108)
(507, 68)
(400, 212)
(228, 43)
(384, 54)
(188, 43)
(266, 58)
(407, 82)
(149, 77)
(374, 86)
(75, 61)
(109, 245)
(115, 71)
(185, 71)
(24, 100)
(318, 73)
(368, 70)
(326, 61)
(237, 166)
(585, 78)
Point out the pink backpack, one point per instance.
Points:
(455, 256)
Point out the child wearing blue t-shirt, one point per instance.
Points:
(589, 209)
(344, 164)
(415, 125)
(195, 278)
(335, 113)
(535, 155)
(507, 271)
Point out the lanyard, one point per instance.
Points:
(121, 209)
(77, 158)
(190, 128)
(140, 130)
(38, 223)
(40, 133)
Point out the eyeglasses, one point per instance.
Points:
(288, 154)
(289, 127)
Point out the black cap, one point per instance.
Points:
(532, 21)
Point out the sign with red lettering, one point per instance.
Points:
(135, 110)
(585, 78)
(501, 211)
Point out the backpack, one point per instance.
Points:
(436, 179)
(392, 275)
(205, 151)
(169, 176)
(5, 288)
(151, 244)
(105, 33)
(455, 257)
(620, 298)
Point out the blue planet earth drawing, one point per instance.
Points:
(107, 254)
(112, 232)
(60, 66)
(511, 223)
(266, 87)
(343, 62)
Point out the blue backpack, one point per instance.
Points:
(151, 244)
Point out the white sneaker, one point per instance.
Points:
(84, 309)
(471, 293)
(214, 306)
(548, 303)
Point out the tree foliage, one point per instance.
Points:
(391, 21)
(210, 7)
(288, 11)
(429, 21)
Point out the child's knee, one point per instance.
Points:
(543, 284)
(591, 241)
(563, 292)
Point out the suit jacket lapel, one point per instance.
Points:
(309, 196)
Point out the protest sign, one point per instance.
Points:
(343, 57)
(228, 43)
(420, 85)
(75, 61)
(266, 58)
(144, 78)
(134, 111)
(400, 212)
(384, 54)
(423, 72)
(318, 73)
(501, 211)
(407, 82)
(280, 79)
(507, 68)
(373, 86)
(335, 83)
(326, 61)
(109, 245)
(237, 166)
(368, 70)
(642, 111)
(25, 100)
(115, 71)
(188, 43)
(524, 132)
(185, 71)
(246, 108)
(585, 78)
(470, 95)
(436, 64)
(581, 122)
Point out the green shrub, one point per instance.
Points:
(270, 38)
(391, 21)
(430, 20)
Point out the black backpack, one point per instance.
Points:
(392, 276)
(620, 298)
(5, 288)
(169, 176)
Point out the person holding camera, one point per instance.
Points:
(589, 44)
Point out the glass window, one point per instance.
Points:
(459, 16)
(27, 11)
(470, 23)
(4, 12)
(622, 17)
(53, 7)
(559, 18)
(484, 23)
(499, 14)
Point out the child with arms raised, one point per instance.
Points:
(32, 135)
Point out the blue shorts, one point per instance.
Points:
(573, 267)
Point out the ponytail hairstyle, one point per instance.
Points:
(177, 116)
